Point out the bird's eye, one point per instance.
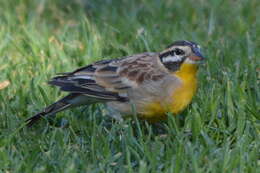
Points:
(179, 52)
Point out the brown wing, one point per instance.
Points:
(111, 79)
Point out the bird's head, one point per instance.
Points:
(179, 53)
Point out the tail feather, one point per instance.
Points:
(51, 110)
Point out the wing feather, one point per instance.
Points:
(110, 79)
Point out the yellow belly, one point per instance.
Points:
(179, 98)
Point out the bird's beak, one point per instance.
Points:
(197, 55)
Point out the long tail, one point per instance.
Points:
(52, 109)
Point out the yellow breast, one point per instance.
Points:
(180, 97)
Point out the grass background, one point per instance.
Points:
(218, 132)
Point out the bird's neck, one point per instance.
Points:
(187, 71)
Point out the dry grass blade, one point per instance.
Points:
(4, 84)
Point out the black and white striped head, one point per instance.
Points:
(181, 52)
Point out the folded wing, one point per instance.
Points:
(109, 80)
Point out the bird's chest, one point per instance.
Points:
(182, 95)
(177, 98)
(176, 101)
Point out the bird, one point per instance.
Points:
(149, 84)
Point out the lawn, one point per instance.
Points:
(219, 132)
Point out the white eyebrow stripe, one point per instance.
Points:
(171, 59)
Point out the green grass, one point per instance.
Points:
(220, 130)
